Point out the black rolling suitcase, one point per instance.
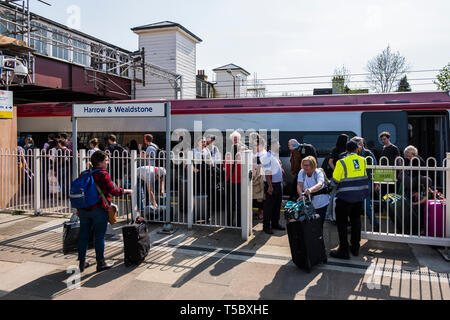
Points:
(71, 233)
(305, 235)
(136, 241)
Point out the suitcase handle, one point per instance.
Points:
(128, 206)
(309, 196)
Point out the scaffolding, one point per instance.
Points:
(258, 89)
(43, 35)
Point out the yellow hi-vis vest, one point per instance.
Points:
(351, 179)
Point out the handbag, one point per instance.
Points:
(112, 208)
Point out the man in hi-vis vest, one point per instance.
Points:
(352, 183)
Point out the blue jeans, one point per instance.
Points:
(98, 220)
(369, 208)
(143, 199)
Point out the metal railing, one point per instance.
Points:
(408, 200)
(202, 191)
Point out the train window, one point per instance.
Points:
(323, 141)
(389, 127)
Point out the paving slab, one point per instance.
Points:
(6, 266)
(23, 274)
(251, 278)
(143, 290)
(98, 286)
(168, 268)
(199, 291)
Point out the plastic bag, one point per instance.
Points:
(53, 185)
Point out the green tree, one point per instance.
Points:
(403, 85)
(340, 80)
(443, 79)
(386, 69)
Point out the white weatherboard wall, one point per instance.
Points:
(224, 86)
(172, 50)
(186, 64)
(160, 49)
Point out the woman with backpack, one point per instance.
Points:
(96, 216)
(311, 181)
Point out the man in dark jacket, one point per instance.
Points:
(118, 166)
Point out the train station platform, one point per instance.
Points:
(211, 263)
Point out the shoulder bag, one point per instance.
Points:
(112, 208)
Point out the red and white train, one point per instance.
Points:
(417, 118)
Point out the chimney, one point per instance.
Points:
(201, 75)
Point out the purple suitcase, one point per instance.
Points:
(439, 206)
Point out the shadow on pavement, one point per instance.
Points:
(259, 238)
(292, 283)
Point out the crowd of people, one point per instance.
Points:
(344, 172)
(351, 181)
(58, 149)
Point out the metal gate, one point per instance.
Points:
(409, 202)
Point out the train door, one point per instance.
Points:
(394, 122)
(428, 131)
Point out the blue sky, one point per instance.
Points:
(282, 38)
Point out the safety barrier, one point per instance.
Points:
(409, 202)
(201, 193)
(402, 197)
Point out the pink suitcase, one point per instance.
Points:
(439, 206)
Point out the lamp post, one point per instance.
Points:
(234, 82)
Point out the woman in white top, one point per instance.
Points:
(93, 143)
(310, 180)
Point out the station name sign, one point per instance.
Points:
(105, 110)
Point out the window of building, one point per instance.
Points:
(10, 30)
(111, 66)
(80, 51)
(97, 57)
(123, 69)
(60, 44)
(38, 37)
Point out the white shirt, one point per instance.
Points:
(147, 174)
(216, 156)
(92, 151)
(270, 163)
(320, 200)
(200, 155)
